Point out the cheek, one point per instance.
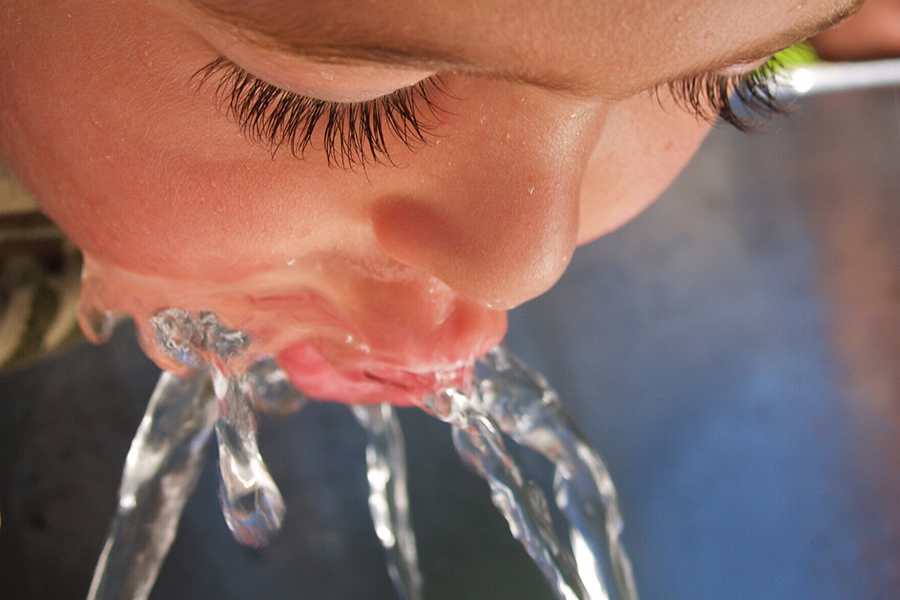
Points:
(132, 158)
(642, 149)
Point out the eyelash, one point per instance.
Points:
(356, 133)
(714, 96)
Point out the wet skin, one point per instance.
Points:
(374, 283)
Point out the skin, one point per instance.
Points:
(377, 283)
(873, 33)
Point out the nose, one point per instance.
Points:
(499, 257)
(497, 220)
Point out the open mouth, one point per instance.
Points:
(340, 335)
(364, 381)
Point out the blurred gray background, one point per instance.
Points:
(734, 354)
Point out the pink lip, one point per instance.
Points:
(358, 384)
(396, 360)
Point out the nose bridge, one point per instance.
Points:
(499, 221)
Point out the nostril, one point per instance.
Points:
(497, 257)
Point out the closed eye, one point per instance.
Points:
(714, 96)
(352, 133)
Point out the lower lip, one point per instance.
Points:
(363, 382)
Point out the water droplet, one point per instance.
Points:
(251, 503)
(271, 390)
(447, 405)
(97, 324)
(96, 319)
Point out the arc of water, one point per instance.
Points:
(511, 399)
(164, 463)
(251, 502)
(166, 456)
(388, 496)
(478, 442)
(161, 472)
(529, 411)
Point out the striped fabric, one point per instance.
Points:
(39, 280)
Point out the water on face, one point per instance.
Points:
(506, 402)
(341, 330)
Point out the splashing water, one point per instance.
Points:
(527, 409)
(510, 399)
(507, 400)
(251, 502)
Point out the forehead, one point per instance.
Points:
(605, 47)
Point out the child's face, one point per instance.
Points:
(548, 136)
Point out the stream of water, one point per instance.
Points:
(581, 557)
